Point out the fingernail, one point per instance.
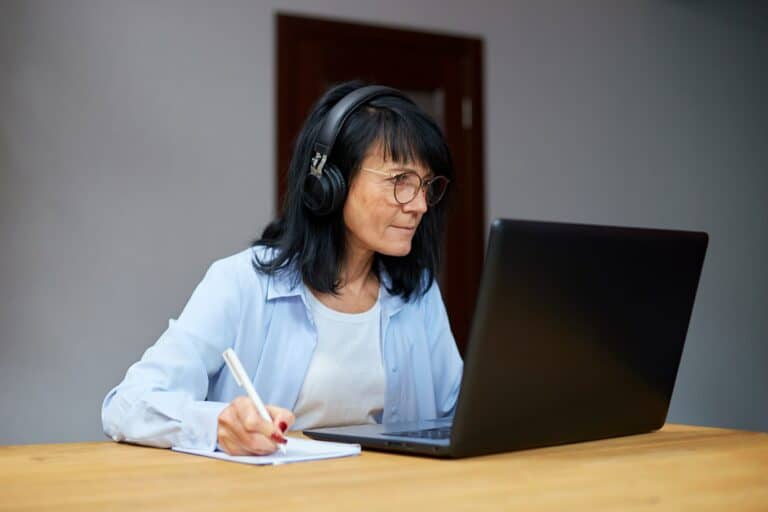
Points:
(276, 437)
(283, 426)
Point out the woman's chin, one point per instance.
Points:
(399, 249)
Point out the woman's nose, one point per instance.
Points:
(418, 204)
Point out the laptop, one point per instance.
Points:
(577, 335)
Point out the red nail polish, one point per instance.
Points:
(276, 437)
(283, 426)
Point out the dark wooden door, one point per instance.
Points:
(440, 72)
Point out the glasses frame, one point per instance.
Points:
(423, 184)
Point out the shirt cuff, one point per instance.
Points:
(200, 425)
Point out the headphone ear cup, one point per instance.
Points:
(314, 193)
(324, 194)
(337, 187)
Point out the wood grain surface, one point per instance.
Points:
(677, 468)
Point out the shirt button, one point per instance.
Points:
(394, 369)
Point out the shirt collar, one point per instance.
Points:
(283, 284)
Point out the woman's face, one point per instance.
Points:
(374, 220)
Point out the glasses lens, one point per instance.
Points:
(436, 190)
(406, 187)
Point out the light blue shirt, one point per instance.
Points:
(174, 394)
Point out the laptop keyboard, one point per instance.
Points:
(429, 433)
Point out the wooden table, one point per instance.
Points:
(677, 468)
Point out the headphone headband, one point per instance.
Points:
(324, 186)
(336, 117)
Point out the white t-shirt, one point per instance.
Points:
(345, 382)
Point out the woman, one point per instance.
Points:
(334, 311)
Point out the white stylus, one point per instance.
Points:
(244, 381)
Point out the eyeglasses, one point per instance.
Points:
(407, 184)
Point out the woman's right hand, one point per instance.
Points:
(242, 431)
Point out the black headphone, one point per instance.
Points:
(324, 186)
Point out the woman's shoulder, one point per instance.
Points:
(243, 266)
(238, 267)
(234, 262)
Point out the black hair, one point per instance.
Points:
(313, 247)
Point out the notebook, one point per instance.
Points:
(297, 450)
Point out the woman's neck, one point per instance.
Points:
(359, 287)
(356, 270)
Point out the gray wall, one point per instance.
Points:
(136, 146)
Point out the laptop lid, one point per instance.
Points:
(577, 335)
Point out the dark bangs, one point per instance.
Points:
(405, 134)
(313, 248)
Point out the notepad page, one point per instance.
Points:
(297, 450)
